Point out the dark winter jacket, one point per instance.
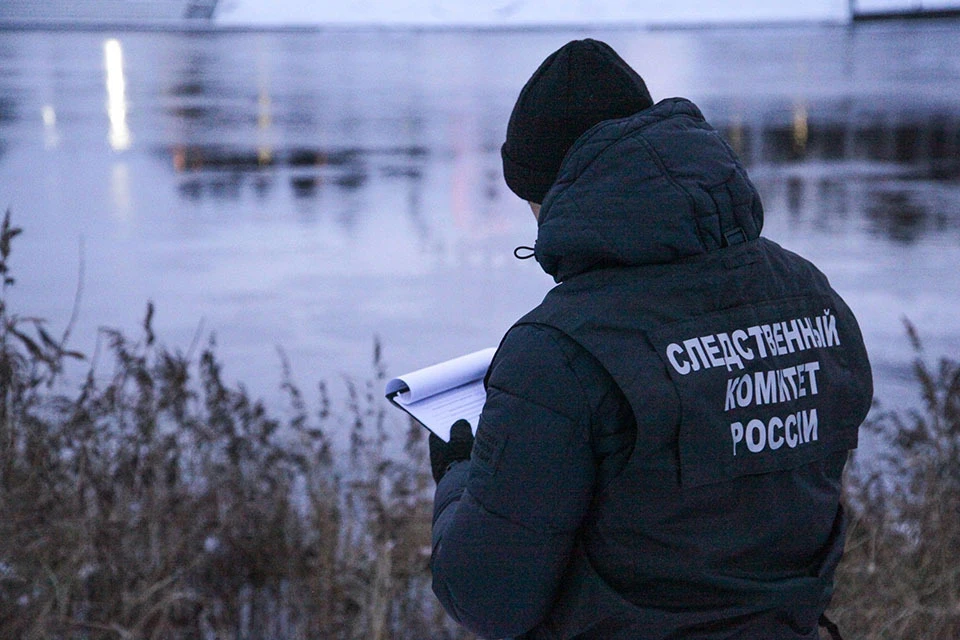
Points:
(662, 444)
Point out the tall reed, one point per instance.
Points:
(900, 575)
(158, 502)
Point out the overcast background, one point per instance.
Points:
(520, 12)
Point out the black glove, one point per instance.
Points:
(443, 454)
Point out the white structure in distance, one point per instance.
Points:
(518, 13)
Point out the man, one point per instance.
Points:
(661, 449)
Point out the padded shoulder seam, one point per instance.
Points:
(572, 352)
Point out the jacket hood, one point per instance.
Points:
(655, 187)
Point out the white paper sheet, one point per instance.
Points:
(439, 395)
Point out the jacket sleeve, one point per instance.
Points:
(505, 522)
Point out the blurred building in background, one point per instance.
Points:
(104, 11)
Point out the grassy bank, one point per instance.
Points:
(157, 502)
(900, 574)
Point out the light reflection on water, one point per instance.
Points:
(313, 190)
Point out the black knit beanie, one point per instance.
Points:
(582, 83)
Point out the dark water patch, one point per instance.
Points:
(898, 215)
(190, 112)
(413, 173)
(905, 213)
(895, 208)
(306, 158)
(201, 158)
(8, 110)
(190, 190)
(304, 186)
(896, 170)
(262, 186)
(350, 181)
(221, 171)
(928, 142)
(218, 157)
(189, 88)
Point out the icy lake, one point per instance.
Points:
(316, 190)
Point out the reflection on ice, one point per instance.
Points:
(898, 172)
(205, 171)
(313, 189)
(50, 136)
(116, 95)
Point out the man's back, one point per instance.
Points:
(661, 448)
(746, 399)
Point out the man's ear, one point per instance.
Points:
(535, 207)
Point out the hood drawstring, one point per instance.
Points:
(519, 256)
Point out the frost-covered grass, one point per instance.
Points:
(157, 502)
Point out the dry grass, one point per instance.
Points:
(900, 576)
(156, 502)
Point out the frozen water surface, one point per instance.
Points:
(315, 189)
